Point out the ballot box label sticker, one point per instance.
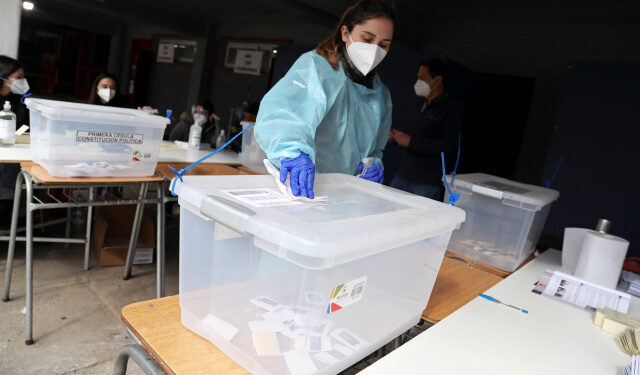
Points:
(260, 197)
(346, 294)
(95, 136)
(141, 156)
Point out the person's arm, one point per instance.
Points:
(291, 111)
(179, 131)
(383, 133)
(448, 143)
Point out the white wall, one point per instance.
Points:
(10, 27)
(538, 50)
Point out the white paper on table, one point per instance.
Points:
(581, 293)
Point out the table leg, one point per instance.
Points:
(67, 230)
(139, 356)
(135, 231)
(29, 261)
(12, 235)
(87, 244)
(160, 264)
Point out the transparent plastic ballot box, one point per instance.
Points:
(74, 139)
(292, 287)
(504, 219)
(252, 154)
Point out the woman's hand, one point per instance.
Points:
(374, 173)
(302, 174)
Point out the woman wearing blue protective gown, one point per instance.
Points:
(331, 109)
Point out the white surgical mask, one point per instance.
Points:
(365, 56)
(106, 94)
(422, 88)
(20, 86)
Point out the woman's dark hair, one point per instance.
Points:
(360, 12)
(8, 66)
(206, 105)
(437, 67)
(93, 97)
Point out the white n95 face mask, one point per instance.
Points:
(20, 86)
(106, 94)
(365, 56)
(422, 88)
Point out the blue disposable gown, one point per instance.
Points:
(318, 110)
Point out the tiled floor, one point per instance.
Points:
(77, 326)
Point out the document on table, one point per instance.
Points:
(581, 293)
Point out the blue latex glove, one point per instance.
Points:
(302, 171)
(374, 173)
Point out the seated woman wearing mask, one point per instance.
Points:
(105, 91)
(11, 70)
(331, 109)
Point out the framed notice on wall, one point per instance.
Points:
(247, 55)
(178, 51)
(248, 62)
(165, 53)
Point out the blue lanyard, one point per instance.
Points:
(181, 172)
(548, 182)
(24, 94)
(453, 197)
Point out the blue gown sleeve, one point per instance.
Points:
(291, 111)
(385, 127)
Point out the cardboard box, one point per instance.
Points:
(112, 231)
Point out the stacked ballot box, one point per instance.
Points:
(293, 287)
(504, 219)
(74, 140)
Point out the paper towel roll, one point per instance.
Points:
(601, 258)
(571, 247)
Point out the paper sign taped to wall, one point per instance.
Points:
(248, 62)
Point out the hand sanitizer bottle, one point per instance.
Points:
(195, 132)
(7, 126)
(222, 139)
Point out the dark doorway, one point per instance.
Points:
(61, 62)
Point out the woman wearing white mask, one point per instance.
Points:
(13, 86)
(11, 70)
(105, 91)
(331, 109)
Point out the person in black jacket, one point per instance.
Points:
(433, 127)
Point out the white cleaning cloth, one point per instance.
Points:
(285, 187)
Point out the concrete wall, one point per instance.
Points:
(542, 51)
(10, 27)
(230, 89)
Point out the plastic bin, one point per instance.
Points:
(504, 219)
(251, 155)
(73, 139)
(260, 275)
